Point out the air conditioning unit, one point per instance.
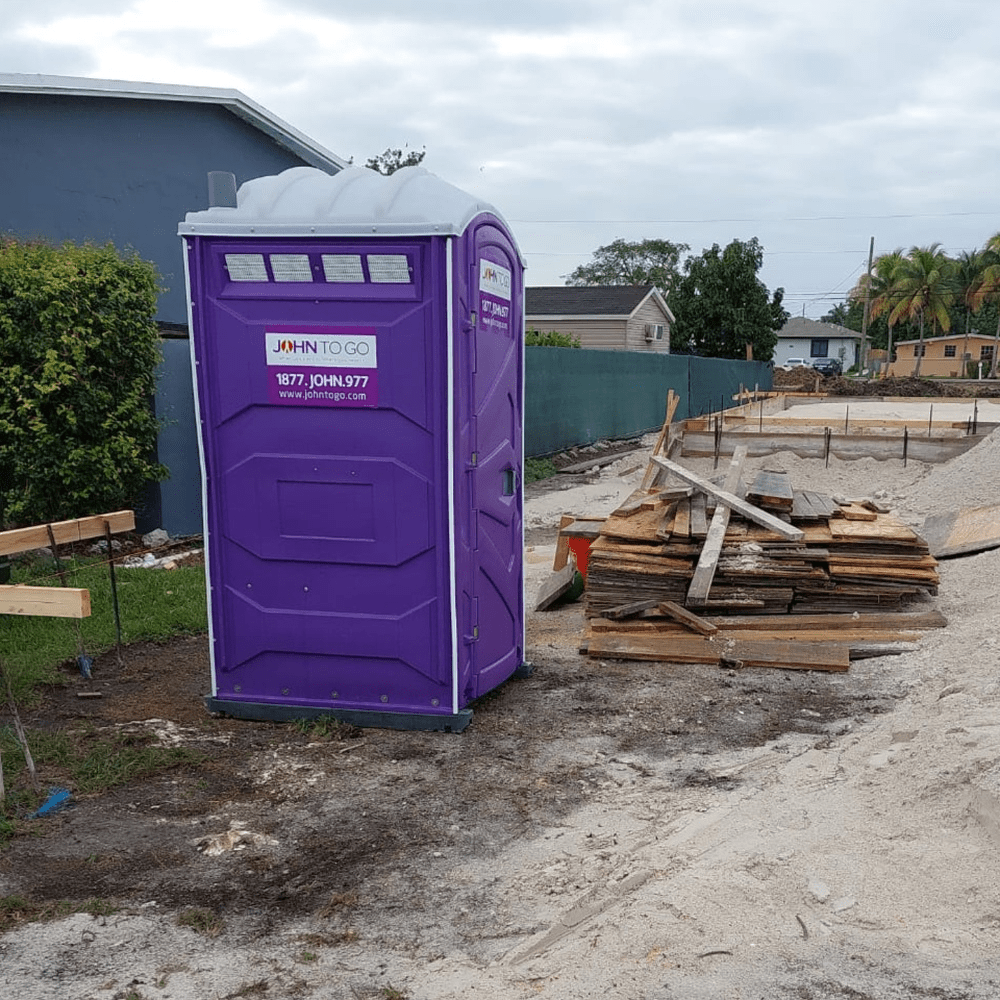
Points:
(654, 331)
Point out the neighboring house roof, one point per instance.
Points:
(232, 100)
(947, 337)
(799, 326)
(590, 301)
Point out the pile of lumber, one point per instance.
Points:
(753, 574)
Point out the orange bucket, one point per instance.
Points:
(580, 547)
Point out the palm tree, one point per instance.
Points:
(968, 275)
(989, 287)
(878, 287)
(923, 284)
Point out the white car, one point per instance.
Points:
(795, 363)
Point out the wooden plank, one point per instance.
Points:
(786, 655)
(699, 516)
(583, 527)
(971, 529)
(665, 649)
(686, 618)
(682, 520)
(881, 529)
(772, 489)
(562, 543)
(672, 400)
(747, 510)
(855, 512)
(598, 461)
(704, 572)
(629, 610)
(65, 532)
(640, 527)
(875, 621)
(51, 602)
(557, 585)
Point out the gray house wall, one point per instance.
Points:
(120, 170)
(127, 170)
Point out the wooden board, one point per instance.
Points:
(629, 610)
(561, 556)
(699, 516)
(686, 618)
(50, 602)
(855, 512)
(665, 649)
(682, 520)
(771, 489)
(704, 572)
(971, 529)
(641, 526)
(557, 585)
(787, 655)
(881, 529)
(65, 532)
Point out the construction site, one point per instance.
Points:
(758, 756)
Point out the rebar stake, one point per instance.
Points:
(114, 595)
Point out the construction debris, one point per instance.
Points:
(780, 577)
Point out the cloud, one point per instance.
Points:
(674, 120)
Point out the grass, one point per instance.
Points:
(538, 468)
(326, 727)
(154, 604)
(86, 761)
(201, 920)
(16, 910)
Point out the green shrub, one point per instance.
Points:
(534, 338)
(78, 352)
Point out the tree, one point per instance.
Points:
(551, 338)
(880, 284)
(969, 267)
(923, 284)
(988, 288)
(721, 306)
(393, 159)
(78, 356)
(839, 315)
(647, 262)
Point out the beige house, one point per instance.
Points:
(942, 356)
(603, 317)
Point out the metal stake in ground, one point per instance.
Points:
(83, 661)
(114, 595)
(22, 736)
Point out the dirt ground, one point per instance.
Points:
(601, 829)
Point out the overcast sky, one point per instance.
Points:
(811, 125)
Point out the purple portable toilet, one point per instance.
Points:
(358, 355)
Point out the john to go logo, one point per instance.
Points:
(296, 347)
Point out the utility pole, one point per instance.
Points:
(868, 296)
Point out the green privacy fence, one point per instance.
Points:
(572, 397)
(575, 397)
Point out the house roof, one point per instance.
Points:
(799, 326)
(950, 337)
(590, 301)
(239, 104)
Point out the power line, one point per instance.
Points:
(790, 218)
